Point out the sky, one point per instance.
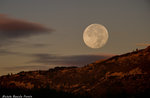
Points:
(42, 34)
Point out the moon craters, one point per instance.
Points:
(95, 36)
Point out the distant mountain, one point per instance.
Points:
(126, 75)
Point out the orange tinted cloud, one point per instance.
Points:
(142, 44)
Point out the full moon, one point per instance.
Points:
(95, 36)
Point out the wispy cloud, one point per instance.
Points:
(11, 28)
(23, 68)
(142, 44)
(33, 45)
(7, 52)
(67, 60)
(14, 28)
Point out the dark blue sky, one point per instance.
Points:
(127, 21)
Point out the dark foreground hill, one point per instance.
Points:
(126, 75)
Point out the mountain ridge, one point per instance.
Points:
(122, 75)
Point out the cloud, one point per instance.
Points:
(25, 67)
(7, 52)
(38, 45)
(142, 44)
(8, 42)
(15, 28)
(67, 60)
(34, 45)
(11, 29)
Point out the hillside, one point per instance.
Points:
(126, 75)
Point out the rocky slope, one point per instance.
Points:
(126, 75)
